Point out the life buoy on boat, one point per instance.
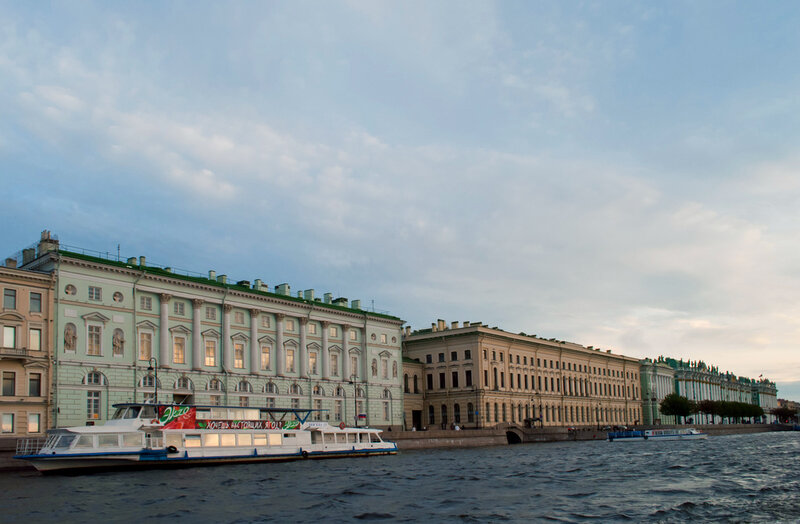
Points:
(342, 425)
(645, 437)
(305, 454)
(172, 449)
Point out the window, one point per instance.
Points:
(442, 384)
(93, 338)
(431, 418)
(501, 359)
(312, 362)
(215, 400)
(455, 379)
(179, 308)
(35, 385)
(467, 354)
(179, 350)
(353, 334)
(9, 336)
(430, 381)
(148, 381)
(95, 293)
(244, 401)
(265, 321)
(238, 355)
(244, 387)
(333, 331)
(211, 352)
(8, 423)
(468, 378)
(335, 364)
(383, 339)
(92, 404)
(36, 302)
(337, 410)
(238, 317)
(290, 361)
(34, 423)
(145, 345)
(454, 355)
(354, 365)
(211, 313)
(312, 329)
(429, 359)
(384, 368)
(146, 303)
(289, 325)
(183, 383)
(441, 357)
(94, 378)
(265, 356)
(214, 385)
(10, 299)
(9, 383)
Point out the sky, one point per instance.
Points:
(618, 174)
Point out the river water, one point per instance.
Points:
(738, 478)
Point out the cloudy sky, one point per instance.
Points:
(623, 175)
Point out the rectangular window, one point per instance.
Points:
(430, 381)
(453, 355)
(383, 338)
(211, 352)
(238, 355)
(312, 363)
(146, 303)
(312, 329)
(353, 334)
(501, 359)
(442, 384)
(211, 313)
(8, 423)
(238, 317)
(34, 423)
(335, 365)
(467, 354)
(333, 331)
(35, 385)
(384, 368)
(9, 299)
(92, 404)
(354, 365)
(9, 336)
(93, 338)
(455, 379)
(216, 400)
(95, 293)
(441, 357)
(429, 359)
(179, 308)
(337, 410)
(244, 401)
(468, 378)
(265, 357)
(35, 339)
(289, 360)
(265, 321)
(289, 325)
(9, 384)
(145, 345)
(36, 302)
(179, 350)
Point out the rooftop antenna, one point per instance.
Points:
(118, 253)
(373, 305)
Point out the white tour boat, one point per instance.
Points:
(657, 434)
(155, 435)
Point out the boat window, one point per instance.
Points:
(65, 440)
(374, 437)
(316, 437)
(119, 413)
(351, 437)
(85, 441)
(172, 439)
(192, 441)
(227, 439)
(133, 412)
(288, 435)
(275, 439)
(341, 438)
(133, 440)
(244, 440)
(260, 439)
(108, 441)
(148, 412)
(363, 437)
(211, 440)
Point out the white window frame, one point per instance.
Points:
(333, 331)
(95, 293)
(9, 332)
(100, 326)
(312, 362)
(334, 363)
(206, 340)
(268, 354)
(238, 317)
(179, 308)
(290, 360)
(144, 331)
(238, 351)
(7, 423)
(146, 303)
(93, 398)
(175, 339)
(34, 417)
(354, 334)
(312, 328)
(211, 313)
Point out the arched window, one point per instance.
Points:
(244, 387)
(94, 378)
(405, 383)
(457, 413)
(360, 393)
(470, 412)
(184, 383)
(339, 391)
(214, 385)
(431, 418)
(148, 381)
(386, 394)
(270, 387)
(318, 391)
(294, 389)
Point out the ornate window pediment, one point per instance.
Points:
(355, 351)
(314, 346)
(240, 337)
(291, 344)
(95, 317)
(182, 330)
(384, 354)
(211, 333)
(12, 316)
(146, 324)
(334, 348)
(266, 339)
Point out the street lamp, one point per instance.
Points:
(353, 378)
(153, 366)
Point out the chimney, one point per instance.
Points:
(465, 323)
(356, 304)
(212, 275)
(408, 331)
(132, 261)
(168, 269)
(283, 289)
(142, 261)
(454, 325)
(308, 294)
(433, 327)
(28, 254)
(328, 297)
(257, 284)
(341, 301)
(47, 243)
(441, 324)
(244, 283)
(222, 279)
(11, 262)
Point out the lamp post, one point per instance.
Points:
(599, 412)
(153, 366)
(353, 378)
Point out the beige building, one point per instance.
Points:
(476, 376)
(413, 394)
(25, 351)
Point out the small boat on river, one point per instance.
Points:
(158, 435)
(657, 434)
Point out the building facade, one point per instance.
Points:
(658, 381)
(25, 351)
(413, 394)
(129, 331)
(476, 376)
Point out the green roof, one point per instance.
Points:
(152, 270)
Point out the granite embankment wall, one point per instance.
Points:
(437, 438)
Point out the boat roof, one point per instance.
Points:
(259, 408)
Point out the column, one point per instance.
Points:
(346, 371)
(255, 348)
(280, 356)
(163, 345)
(365, 360)
(326, 358)
(303, 353)
(197, 337)
(227, 348)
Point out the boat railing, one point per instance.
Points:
(29, 446)
(626, 434)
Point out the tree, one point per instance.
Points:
(785, 414)
(676, 405)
